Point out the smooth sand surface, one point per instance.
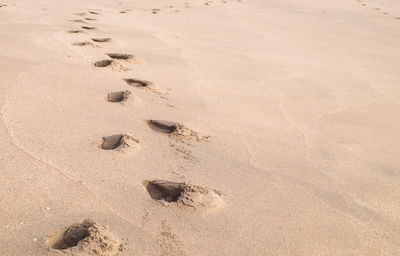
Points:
(293, 116)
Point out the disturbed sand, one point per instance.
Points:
(180, 127)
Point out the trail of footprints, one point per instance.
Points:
(86, 236)
(376, 9)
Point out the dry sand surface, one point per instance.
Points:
(177, 127)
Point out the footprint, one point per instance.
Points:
(124, 11)
(85, 44)
(118, 96)
(103, 63)
(90, 19)
(183, 193)
(155, 10)
(164, 126)
(78, 20)
(75, 31)
(102, 40)
(88, 28)
(119, 142)
(120, 56)
(3, 5)
(138, 83)
(92, 12)
(85, 236)
(111, 63)
(80, 14)
(175, 130)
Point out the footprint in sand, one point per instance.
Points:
(183, 194)
(90, 19)
(144, 84)
(102, 40)
(155, 10)
(93, 12)
(74, 31)
(125, 57)
(78, 21)
(175, 130)
(88, 28)
(125, 11)
(86, 43)
(120, 56)
(113, 64)
(85, 237)
(119, 142)
(3, 5)
(120, 96)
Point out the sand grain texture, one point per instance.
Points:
(300, 100)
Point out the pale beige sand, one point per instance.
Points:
(300, 100)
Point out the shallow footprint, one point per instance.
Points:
(119, 142)
(79, 21)
(102, 40)
(74, 31)
(85, 44)
(183, 193)
(90, 19)
(85, 236)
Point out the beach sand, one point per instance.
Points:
(215, 127)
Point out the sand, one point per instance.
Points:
(278, 127)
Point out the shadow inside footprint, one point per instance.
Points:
(101, 40)
(88, 28)
(137, 82)
(70, 236)
(93, 12)
(164, 190)
(118, 96)
(79, 21)
(90, 19)
(164, 126)
(118, 141)
(75, 31)
(103, 63)
(120, 56)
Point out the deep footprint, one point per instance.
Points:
(175, 130)
(118, 96)
(118, 142)
(85, 237)
(103, 63)
(70, 236)
(90, 19)
(164, 126)
(120, 56)
(102, 40)
(137, 82)
(183, 193)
